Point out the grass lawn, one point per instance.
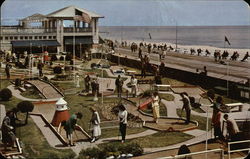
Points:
(36, 146)
(201, 120)
(113, 132)
(33, 94)
(159, 139)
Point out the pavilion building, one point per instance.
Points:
(55, 32)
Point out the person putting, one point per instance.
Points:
(69, 126)
(186, 106)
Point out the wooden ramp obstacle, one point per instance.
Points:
(48, 90)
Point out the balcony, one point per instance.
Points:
(77, 30)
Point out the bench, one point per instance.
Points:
(158, 86)
(233, 105)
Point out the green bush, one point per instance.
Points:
(90, 153)
(53, 57)
(57, 70)
(61, 58)
(111, 149)
(5, 94)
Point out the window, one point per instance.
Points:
(36, 37)
(40, 37)
(26, 37)
(15, 37)
(54, 37)
(50, 37)
(6, 38)
(44, 37)
(21, 37)
(30, 37)
(11, 37)
(1, 38)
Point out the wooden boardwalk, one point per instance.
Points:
(45, 89)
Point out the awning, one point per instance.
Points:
(37, 43)
(79, 40)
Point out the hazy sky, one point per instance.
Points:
(140, 12)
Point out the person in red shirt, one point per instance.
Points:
(216, 123)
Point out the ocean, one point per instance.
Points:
(238, 36)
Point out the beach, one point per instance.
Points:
(210, 38)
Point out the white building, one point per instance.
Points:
(38, 33)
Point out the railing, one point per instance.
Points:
(215, 153)
(237, 150)
(34, 30)
(71, 30)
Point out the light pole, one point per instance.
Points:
(206, 102)
(74, 51)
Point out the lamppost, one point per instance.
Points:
(206, 102)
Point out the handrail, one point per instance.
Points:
(238, 150)
(193, 153)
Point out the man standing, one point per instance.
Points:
(87, 83)
(216, 123)
(186, 106)
(40, 68)
(119, 84)
(7, 70)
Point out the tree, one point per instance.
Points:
(25, 107)
(5, 94)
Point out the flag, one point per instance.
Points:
(226, 40)
(149, 36)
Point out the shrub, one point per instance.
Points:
(57, 70)
(68, 57)
(61, 58)
(91, 153)
(93, 65)
(53, 57)
(111, 149)
(5, 94)
(25, 107)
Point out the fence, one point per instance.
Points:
(215, 153)
(239, 148)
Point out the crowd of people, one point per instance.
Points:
(161, 49)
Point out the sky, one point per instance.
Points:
(140, 12)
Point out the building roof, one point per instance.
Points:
(35, 17)
(71, 11)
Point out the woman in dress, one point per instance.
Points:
(156, 106)
(123, 115)
(95, 121)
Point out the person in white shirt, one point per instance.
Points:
(133, 86)
(95, 121)
(123, 115)
(156, 106)
(231, 127)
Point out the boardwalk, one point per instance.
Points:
(237, 71)
(46, 89)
